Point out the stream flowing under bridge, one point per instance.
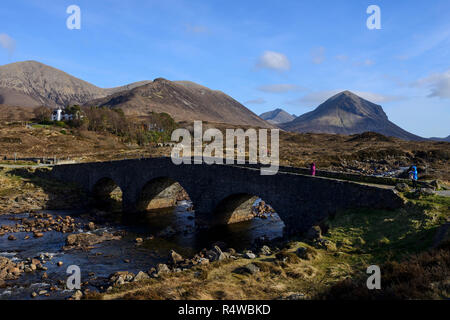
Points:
(225, 193)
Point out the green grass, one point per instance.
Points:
(46, 126)
(362, 238)
(378, 235)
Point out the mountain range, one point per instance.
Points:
(31, 84)
(277, 116)
(346, 113)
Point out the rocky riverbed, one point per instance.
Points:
(36, 248)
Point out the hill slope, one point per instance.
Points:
(347, 113)
(277, 116)
(183, 100)
(31, 83)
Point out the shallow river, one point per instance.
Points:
(119, 255)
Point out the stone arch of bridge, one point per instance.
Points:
(240, 206)
(160, 192)
(107, 194)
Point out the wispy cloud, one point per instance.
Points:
(273, 60)
(318, 55)
(366, 62)
(196, 29)
(379, 98)
(438, 83)
(255, 101)
(341, 57)
(8, 43)
(280, 88)
(427, 41)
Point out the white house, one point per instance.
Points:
(60, 114)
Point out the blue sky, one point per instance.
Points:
(266, 54)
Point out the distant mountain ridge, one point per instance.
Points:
(277, 116)
(346, 113)
(447, 139)
(31, 84)
(183, 100)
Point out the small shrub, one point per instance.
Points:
(288, 257)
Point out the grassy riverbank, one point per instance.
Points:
(334, 267)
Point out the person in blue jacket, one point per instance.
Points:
(414, 170)
(413, 175)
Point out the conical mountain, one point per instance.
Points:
(347, 113)
(277, 116)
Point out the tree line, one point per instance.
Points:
(154, 128)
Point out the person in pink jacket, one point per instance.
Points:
(312, 169)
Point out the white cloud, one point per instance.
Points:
(7, 43)
(377, 97)
(197, 29)
(438, 83)
(318, 97)
(342, 57)
(255, 101)
(280, 88)
(274, 60)
(318, 55)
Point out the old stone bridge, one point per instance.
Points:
(225, 193)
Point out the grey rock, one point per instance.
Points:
(249, 255)
(426, 191)
(175, 257)
(141, 276)
(402, 187)
(314, 233)
(162, 268)
(250, 268)
(265, 250)
(77, 295)
(216, 254)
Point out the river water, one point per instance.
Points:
(108, 257)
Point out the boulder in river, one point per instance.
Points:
(121, 277)
(167, 232)
(87, 240)
(175, 258)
